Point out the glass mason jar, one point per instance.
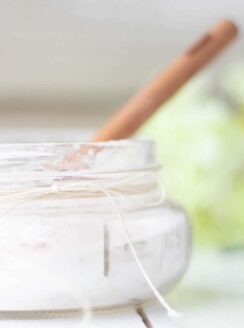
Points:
(62, 242)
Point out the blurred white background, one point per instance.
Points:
(72, 62)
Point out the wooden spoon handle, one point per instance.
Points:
(157, 92)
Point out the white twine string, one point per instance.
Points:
(171, 312)
(87, 187)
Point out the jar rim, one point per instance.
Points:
(104, 144)
(119, 155)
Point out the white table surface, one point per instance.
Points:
(210, 295)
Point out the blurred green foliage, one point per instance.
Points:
(200, 142)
